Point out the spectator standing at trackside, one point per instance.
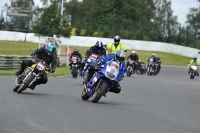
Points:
(114, 47)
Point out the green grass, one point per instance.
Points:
(60, 71)
(25, 48)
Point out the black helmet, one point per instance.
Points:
(75, 51)
(117, 40)
(99, 45)
(50, 48)
(195, 58)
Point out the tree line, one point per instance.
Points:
(149, 20)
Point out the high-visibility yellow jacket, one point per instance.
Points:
(112, 49)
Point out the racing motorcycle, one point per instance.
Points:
(193, 71)
(157, 64)
(101, 81)
(150, 67)
(30, 75)
(130, 68)
(75, 66)
(142, 69)
(90, 62)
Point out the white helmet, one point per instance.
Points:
(153, 55)
(133, 52)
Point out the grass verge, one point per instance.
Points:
(25, 48)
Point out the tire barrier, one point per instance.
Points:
(12, 62)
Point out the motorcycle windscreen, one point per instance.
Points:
(112, 70)
(41, 66)
(194, 67)
(74, 59)
(92, 57)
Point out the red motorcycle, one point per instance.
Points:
(130, 68)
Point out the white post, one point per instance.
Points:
(39, 42)
(61, 8)
(67, 62)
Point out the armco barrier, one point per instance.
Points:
(12, 62)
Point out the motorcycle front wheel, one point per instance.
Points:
(128, 71)
(25, 85)
(99, 92)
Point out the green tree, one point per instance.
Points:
(51, 23)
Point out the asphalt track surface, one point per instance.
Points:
(166, 103)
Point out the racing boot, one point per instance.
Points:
(19, 72)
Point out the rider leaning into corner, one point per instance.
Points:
(76, 53)
(48, 54)
(98, 50)
(156, 59)
(193, 61)
(118, 57)
(114, 47)
(134, 57)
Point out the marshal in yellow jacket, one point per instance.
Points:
(112, 49)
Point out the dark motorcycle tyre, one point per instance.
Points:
(25, 85)
(74, 72)
(99, 92)
(128, 71)
(84, 95)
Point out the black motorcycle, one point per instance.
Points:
(193, 71)
(150, 67)
(130, 68)
(31, 74)
(75, 66)
(141, 68)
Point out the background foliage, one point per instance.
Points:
(149, 20)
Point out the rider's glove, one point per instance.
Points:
(33, 54)
(52, 70)
(121, 78)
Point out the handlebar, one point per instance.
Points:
(40, 60)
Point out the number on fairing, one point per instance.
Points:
(93, 57)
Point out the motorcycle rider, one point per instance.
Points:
(139, 65)
(48, 54)
(114, 47)
(134, 57)
(156, 60)
(119, 57)
(96, 49)
(193, 61)
(76, 53)
(105, 47)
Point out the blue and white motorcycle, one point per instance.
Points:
(102, 81)
(90, 62)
